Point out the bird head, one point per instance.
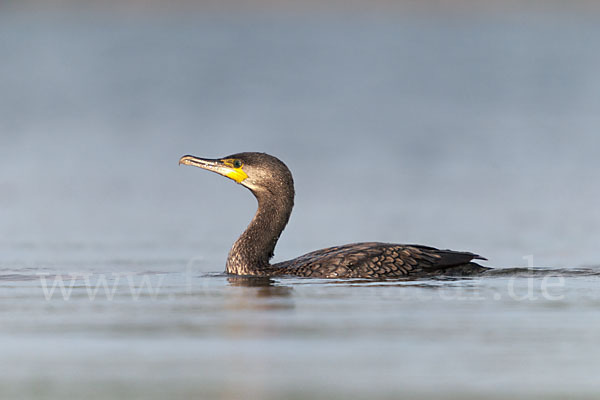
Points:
(258, 172)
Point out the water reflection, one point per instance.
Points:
(259, 293)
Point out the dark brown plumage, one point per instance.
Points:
(272, 184)
(380, 260)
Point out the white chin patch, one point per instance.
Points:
(248, 184)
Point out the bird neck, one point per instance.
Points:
(252, 251)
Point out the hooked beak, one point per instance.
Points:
(214, 165)
(204, 163)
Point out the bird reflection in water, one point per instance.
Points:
(259, 293)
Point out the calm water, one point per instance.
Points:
(474, 133)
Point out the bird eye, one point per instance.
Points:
(237, 164)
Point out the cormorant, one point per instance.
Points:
(272, 184)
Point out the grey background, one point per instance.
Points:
(476, 131)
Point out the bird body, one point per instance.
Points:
(272, 184)
(379, 260)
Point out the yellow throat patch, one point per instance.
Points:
(237, 174)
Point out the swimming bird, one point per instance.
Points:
(271, 182)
